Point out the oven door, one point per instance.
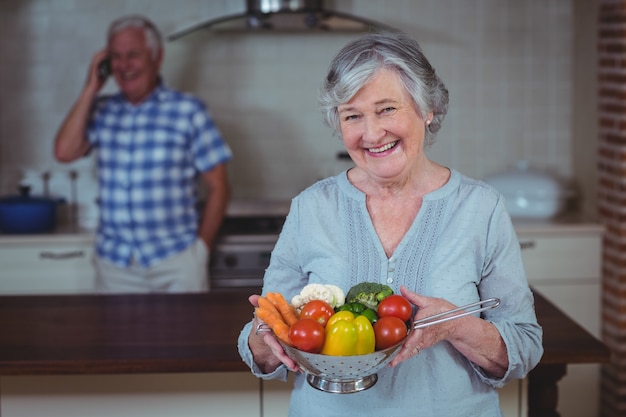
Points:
(239, 264)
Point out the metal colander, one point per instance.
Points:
(348, 374)
(342, 374)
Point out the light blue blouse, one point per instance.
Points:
(462, 247)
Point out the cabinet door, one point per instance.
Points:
(561, 257)
(566, 269)
(275, 398)
(61, 268)
(228, 394)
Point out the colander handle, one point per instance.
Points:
(456, 313)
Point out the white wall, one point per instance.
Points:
(507, 64)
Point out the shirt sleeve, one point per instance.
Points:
(515, 319)
(208, 146)
(246, 355)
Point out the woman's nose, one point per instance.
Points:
(373, 128)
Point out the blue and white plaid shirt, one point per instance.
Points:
(149, 156)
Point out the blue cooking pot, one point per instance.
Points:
(23, 214)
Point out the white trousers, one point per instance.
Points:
(186, 271)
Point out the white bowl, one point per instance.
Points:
(530, 194)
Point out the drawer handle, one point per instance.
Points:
(65, 255)
(527, 245)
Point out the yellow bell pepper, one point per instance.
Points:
(347, 335)
(367, 341)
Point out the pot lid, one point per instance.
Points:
(25, 197)
(285, 16)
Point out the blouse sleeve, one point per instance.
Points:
(504, 278)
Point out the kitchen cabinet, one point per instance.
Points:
(275, 398)
(235, 394)
(563, 262)
(232, 394)
(46, 264)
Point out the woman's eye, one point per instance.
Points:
(387, 109)
(350, 117)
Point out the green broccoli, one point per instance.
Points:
(368, 293)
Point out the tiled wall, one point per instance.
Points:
(508, 66)
(612, 198)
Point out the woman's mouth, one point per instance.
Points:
(383, 148)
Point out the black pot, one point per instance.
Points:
(25, 214)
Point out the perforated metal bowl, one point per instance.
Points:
(342, 374)
(349, 374)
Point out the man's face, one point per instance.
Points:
(135, 69)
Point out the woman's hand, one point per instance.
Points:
(421, 339)
(268, 354)
(475, 338)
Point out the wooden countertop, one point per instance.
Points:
(126, 334)
(118, 334)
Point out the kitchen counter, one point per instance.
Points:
(66, 233)
(118, 334)
(182, 333)
(88, 334)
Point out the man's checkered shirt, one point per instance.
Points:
(148, 159)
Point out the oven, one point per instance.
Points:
(242, 250)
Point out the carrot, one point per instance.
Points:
(265, 303)
(285, 309)
(276, 323)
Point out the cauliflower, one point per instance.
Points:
(332, 294)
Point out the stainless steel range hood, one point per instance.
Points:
(285, 16)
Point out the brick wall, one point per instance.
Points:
(612, 197)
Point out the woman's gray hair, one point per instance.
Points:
(358, 61)
(150, 30)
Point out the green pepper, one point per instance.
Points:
(347, 335)
(371, 315)
(357, 308)
(344, 307)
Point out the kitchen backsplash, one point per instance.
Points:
(507, 65)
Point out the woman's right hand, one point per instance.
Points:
(267, 352)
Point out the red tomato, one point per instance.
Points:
(397, 306)
(317, 310)
(388, 331)
(307, 335)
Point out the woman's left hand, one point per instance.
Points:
(421, 339)
(475, 338)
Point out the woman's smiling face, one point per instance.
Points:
(382, 129)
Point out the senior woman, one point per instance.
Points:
(398, 218)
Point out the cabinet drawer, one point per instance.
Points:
(45, 255)
(46, 269)
(561, 257)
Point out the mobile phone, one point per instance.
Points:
(104, 68)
